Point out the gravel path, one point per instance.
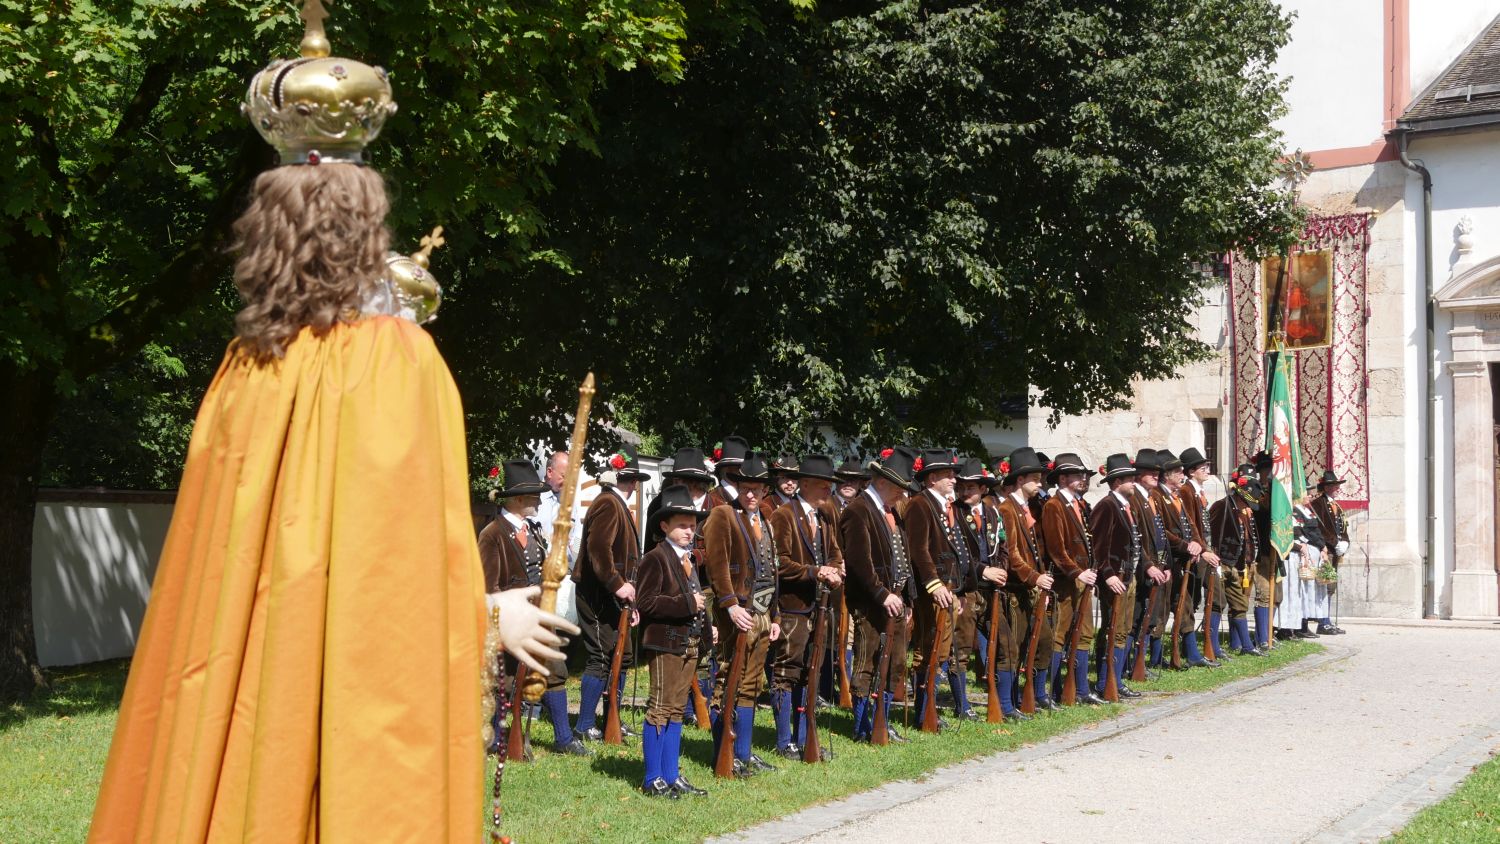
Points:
(1340, 747)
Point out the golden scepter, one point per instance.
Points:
(556, 566)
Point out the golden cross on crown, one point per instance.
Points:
(314, 40)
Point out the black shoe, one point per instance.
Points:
(967, 715)
(1254, 651)
(572, 748)
(682, 786)
(626, 732)
(1017, 717)
(1152, 674)
(1335, 630)
(1126, 691)
(895, 737)
(1304, 634)
(1090, 699)
(1283, 635)
(591, 734)
(743, 770)
(1048, 705)
(659, 788)
(758, 764)
(1205, 663)
(791, 751)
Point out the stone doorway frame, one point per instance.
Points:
(1472, 300)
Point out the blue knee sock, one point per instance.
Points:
(1213, 629)
(1005, 684)
(861, 712)
(1129, 650)
(1263, 625)
(744, 722)
(671, 754)
(885, 701)
(781, 705)
(1156, 652)
(958, 681)
(1237, 638)
(799, 709)
(982, 649)
(1081, 669)
(1120, 664)
(589, 696)
(651, 747)
(556, 704)
(1190, 648)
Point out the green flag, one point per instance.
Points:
(1287, 480)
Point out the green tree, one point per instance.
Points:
(125, 161)
(890, 222)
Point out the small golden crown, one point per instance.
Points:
(318, 109)
(407, 289)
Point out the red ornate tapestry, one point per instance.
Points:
(1328, 383)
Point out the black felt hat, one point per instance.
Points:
(851, 471)
(677, 500)
(1192, 458)
(816, 466)
(1117, 466)
(1330, 478)
(935, 459)
(1147, 461)
(1066, 463)
(688, 465)
(1022, 461)
(625, 466)
(784, 464)
(520, 479)
(751, 469)
(973, 469)
(895, 465)
(730, 452)
(1169, 461)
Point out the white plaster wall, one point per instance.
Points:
(1438, 30)
(1465, 183)
(91, 571)
(1334, 65)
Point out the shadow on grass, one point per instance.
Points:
(76, 690)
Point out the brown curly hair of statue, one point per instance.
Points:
(309, 245)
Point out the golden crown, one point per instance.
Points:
(318, 109)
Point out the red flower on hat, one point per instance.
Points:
(1101, 469)
(1005, 467)
(494, 471)
(986, 473)
(917, 466)
(885, 453)
(1051, 464)
(1241, 482)
(618, 462)
(719, 451)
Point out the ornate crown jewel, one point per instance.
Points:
(408, 290)
(318, 109)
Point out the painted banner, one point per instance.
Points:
(1288, 483)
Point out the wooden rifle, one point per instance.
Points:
(1210, 647)
(1178, 614)
(1038, 617)
(880, 734)
(993, 715)
(1111, 684)
(1075, 632)
(700, 704)
(846, 698)
(515, 738)
(811, 750)
(929, 713)
(1143, 638)
(724, 758)
(612, 734)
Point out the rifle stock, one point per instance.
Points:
(1177, 616)
(612, 733)
(991, 651)
(1210, 647)
(880, 734)
(929, 702)
(515, 738)
(724, 758)
(700, 706)
(1038, 616)
(1143, 639)
(812, 751)
(1111, 683)
(846, 697)
(1075, 632)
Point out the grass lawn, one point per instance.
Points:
(52, 753)
(1472, 813)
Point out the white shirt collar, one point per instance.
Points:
(806, 508)
(515, 520)
(698, 501)
(731, 491)
(1197, 487)
(1020, 498)
(1120, 498)
(681, 552)
(875, 497)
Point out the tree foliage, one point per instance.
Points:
(884, 223)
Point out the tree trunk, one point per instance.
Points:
(33, 395)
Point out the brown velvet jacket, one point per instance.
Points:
(865, 539)
(797, 567)
(1109, 525)
(664, 597)
(503, 558)
(1025, 567)
(932, 555)
(1194, 504)
(611, 544)
(1067, 537)
(727, 557)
